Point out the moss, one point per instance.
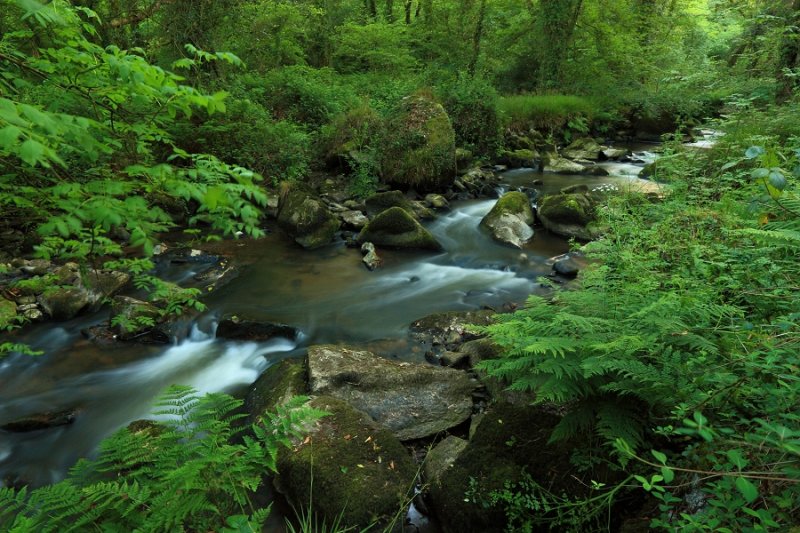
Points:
(275, 387)
(379, 202)
(509, 440)
(306, 219)
(352, 465)
(396, 228)
(419, 146)
(8, 313)
(568, 208)
(35, 285)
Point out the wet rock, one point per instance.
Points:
(357, 470)
(306, 219)
(509, 441)
(437, 201)
(568, 265)
(613, 154)
(63, 303)
(583, 148)
(275, 387)
(569, 215)
(102, 284)
(239, 327)
(442, 457)
(354, 220)
(134, 318)
(454, 359)
(412, 400)
(418, 149)
(649, 171)
(559, 165)
(521, 158)
(39, 421)
(435, 329)
(595, 170)
(33, 267)
(8, 313)
(216, 276)
(380, 202)
(510, 220)
(397, 229)
(371, 258)
(480, 349)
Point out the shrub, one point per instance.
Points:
(375, 47)
(472, 107)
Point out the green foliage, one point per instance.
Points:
(544, 112)
(197, 470)
(472, 108)
(375, 47)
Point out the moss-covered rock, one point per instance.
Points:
(442, 457)
(509, 221)
(306, 219)
(275, 387)
(583, 148)
(569, 214)
(380, 202)
(412, 400)
(419, 149)
(510, 440)
(8, 313)
(240, 327)
(561, 165)
(396, 228)
(133, 317)
(523, 157)
(63, 303)
(349, 466)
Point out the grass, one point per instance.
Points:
(543, 111)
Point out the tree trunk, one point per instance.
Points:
(557, 20)
(389, 11)
(407, 7)
(476, 39)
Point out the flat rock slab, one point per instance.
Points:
(412, 400)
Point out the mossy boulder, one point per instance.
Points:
(412, 400)
(419, 149)
(349, 466)
(134, 317)
(8, 312)
(583, 148)
(569, 215)
(380, 202)
(510, 220)
(510, 440)
(396, 228)
(64, 302)
(519, 158)
(306, 218)
(442, 457)
(275, 387)
(561, 165)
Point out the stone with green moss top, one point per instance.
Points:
(583, 148)
(8, 313)
(509, 221)
(63, 303)
(522, 157)
(569, 215)
(380, 202)
(349, 466)
(419, 149)
(306, 219)
(510, 440)
(275, 387)
(396, 228)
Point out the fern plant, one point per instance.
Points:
(187, 473)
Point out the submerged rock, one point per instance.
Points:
(352, 469)
(306, 219)
(240, 327)
(412, 400)
(396, 228)
(509, 221)
(39, 421)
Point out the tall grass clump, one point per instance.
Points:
(543, 112)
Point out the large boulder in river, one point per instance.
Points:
(569, 215)
(306, 219)
(349, 468)
(583, 148)
(509, 442)
(510, 219)
(412, 400)
(396, 228)
(380, 202)
(419, 149)
(240, 327)
(560, 165)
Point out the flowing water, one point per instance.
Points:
(327, 294)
